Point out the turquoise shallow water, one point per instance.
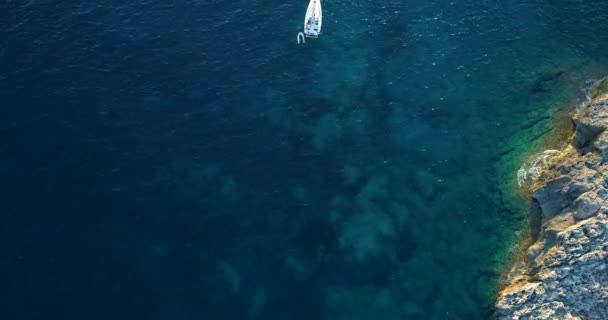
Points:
(189, 160)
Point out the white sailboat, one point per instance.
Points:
(312, 21)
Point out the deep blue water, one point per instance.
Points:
(188, 160)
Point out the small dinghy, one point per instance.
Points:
(312, 21)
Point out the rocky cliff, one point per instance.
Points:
(567, 275)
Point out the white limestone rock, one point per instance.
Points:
(568, 265)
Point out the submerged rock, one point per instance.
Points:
(568, 265)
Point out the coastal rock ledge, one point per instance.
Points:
(567, 266)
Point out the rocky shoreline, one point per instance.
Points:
(567, 266)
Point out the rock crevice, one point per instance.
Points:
(568, 264)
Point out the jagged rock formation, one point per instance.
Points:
(568, 264)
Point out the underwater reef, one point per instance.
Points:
(567, 265)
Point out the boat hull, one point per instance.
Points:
(313, 19)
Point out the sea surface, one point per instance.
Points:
(189, 160)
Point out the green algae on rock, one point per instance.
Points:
(568, 265)
(599, 88)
